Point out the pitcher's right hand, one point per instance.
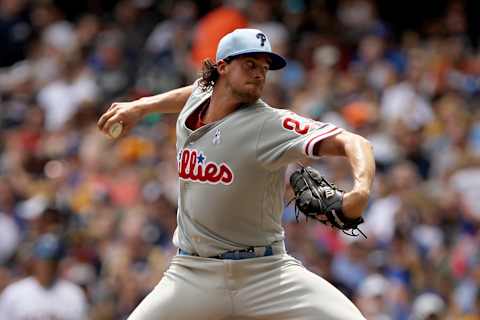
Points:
(126, 113)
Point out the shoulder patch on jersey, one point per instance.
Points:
(193, 166)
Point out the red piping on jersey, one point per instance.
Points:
(315, 137)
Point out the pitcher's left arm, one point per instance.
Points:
(359, 153)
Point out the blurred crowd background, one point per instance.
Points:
(406, 75)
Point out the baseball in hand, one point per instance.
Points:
(115, 130)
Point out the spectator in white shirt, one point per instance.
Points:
(44, 295)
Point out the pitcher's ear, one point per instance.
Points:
(222, 66)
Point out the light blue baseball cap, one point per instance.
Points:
(245, 41)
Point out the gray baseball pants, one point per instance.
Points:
(277, 287)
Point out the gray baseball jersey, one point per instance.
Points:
(232, 175)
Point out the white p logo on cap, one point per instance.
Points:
(245, 41)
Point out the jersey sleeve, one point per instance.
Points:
(196, 96)
(286, 137)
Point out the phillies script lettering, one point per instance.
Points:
(193, 166)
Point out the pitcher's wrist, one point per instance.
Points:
(141, 107)
(354, 203)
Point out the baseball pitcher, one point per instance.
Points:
(232, 152)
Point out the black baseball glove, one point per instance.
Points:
(321, 200)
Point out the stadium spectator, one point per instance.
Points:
(44, 295)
